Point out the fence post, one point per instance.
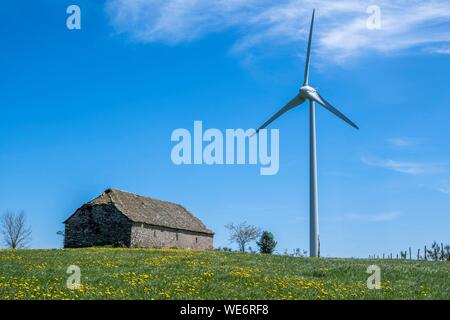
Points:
(425, 253)
(410, 253)
(418, 254)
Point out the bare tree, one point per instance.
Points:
(435, 252)
(242, 234)
(14, 230)
(447, 254)
(438, 252)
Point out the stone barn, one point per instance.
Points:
(120, 218)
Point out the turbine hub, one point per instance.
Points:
(305, 90)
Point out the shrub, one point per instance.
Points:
(266, 243)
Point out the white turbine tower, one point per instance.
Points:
(309, 93)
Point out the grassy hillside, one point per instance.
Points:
(177, 274)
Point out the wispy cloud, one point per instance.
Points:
(341, 33)
(443, 187)
(273, 208)
(408, 167)
(402, 142)
(444, 190)
(378, 217)
(441, 50)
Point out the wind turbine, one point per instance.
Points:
(307, 92)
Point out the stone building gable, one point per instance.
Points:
(97, 225)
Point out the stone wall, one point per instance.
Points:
(147, 236)
(97, 225)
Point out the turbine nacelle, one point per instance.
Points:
(307, 91)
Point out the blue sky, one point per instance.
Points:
(84, 110)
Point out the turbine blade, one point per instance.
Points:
(320, 100)
(308, 52)
(291, 104)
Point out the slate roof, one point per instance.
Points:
(151, 211)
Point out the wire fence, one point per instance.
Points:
(437, 252)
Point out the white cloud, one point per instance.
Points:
(379, 217)
(174, 21)
(404, 166)
(340, 32)
(402, 142)
(441, 187)
(444, 190)
(444, 187)
(441, 50)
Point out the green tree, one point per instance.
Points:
(266, 243)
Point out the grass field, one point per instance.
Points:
(108, 273)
